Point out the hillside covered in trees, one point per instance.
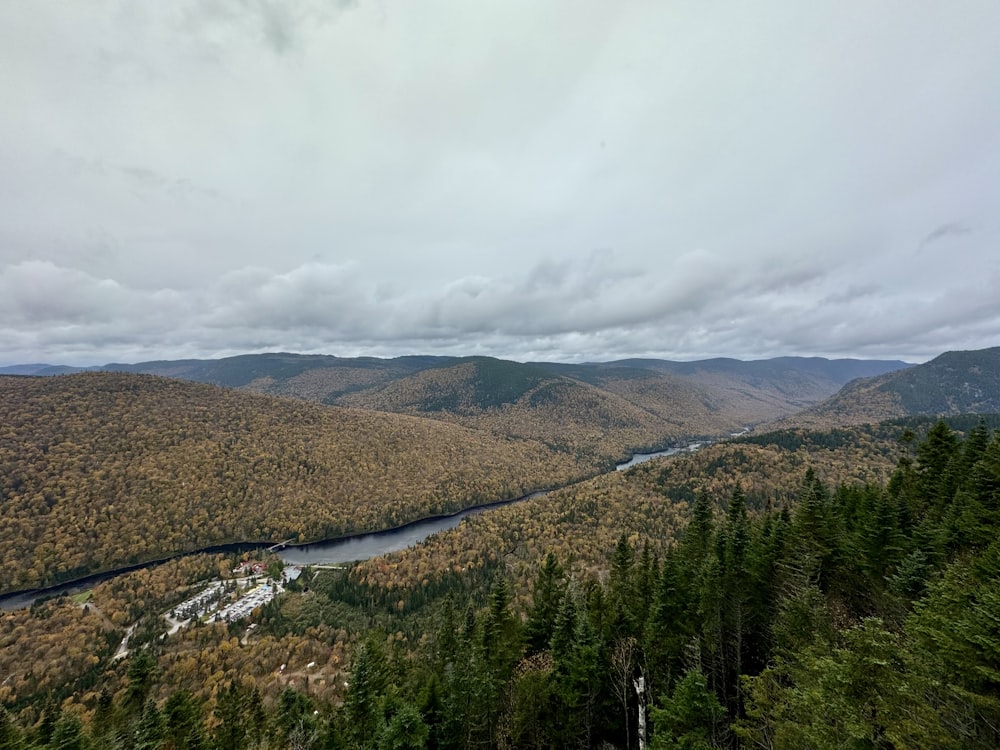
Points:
(852, 607)
(952, 383)
(597, 411)
(98, 470)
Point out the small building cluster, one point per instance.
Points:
(251, 568)
(214, 603)
(200, 605)
(256, 597)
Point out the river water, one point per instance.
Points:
(641, 458)
(364, 546)
(328, 552)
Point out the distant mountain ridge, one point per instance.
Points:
(598, 412)
(842, 370)
(957, 382)
(241, 370)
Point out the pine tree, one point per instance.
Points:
(447, 640)
(431, 702)
(47, 725)
(501, 634)
(973, 450)
(622, 591)
(406, 730)
(576, 677)
(366, 687)
(10, 734)
(735, 585)
(182, 714)
(546, 598)
(670, 624)
(231, 715)
(690, 718)
(102, 725)
(956, 636)
(699, 534)
(294, 717)
(151, 729)
(938, 460)
(141, 672)
(67, 734)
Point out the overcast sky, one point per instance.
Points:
(533, 180)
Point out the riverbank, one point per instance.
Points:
(333, 550)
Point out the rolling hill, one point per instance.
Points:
(599, 412)
(526, 402)
(952, 383)
(99, 470)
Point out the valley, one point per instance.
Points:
(613, 546)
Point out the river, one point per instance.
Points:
(326, 552)
(362, 547)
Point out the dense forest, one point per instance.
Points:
(952, 383)
(857, 614)
(99, 470)
(596, 411)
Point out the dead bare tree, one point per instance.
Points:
(623, 657)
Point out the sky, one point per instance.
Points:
(557, 181)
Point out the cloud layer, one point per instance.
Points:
(558, 181)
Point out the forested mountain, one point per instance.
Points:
(775, 369)
(792, 590)
(602, 410)
(101, 469)
(953, 383)
(527, 401)
(727, 391)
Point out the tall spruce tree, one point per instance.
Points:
(547, 595)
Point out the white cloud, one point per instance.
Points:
(559, 180)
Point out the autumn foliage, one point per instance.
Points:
(98, 470)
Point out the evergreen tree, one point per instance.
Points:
(232, 717)
(816, 532)
(256, 716)
(363, 701)
(973, 450)
(447, 640)
(690, 718)
(733, 588)
(768, 551)
(622, 591)
(294, 716)
(47, 725)
(698, 536)
(10, 734)
(526, 724)
(938, 459)
(576, 678)
(669, 627)
(646, 575)
(986, 480)
(546, 598)
(141, 673)
(183, 718)
(431, 702)
(956, 633)
(880, 537)
(102, 725)
(67, 733)
(406, 730)
(501, 631)
(151, 729)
